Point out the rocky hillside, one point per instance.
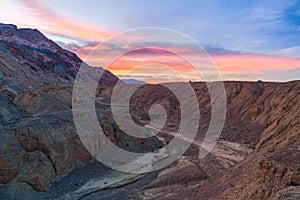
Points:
(264, 119)
(38, 139)
(26, 54)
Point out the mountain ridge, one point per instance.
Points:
(26, 54)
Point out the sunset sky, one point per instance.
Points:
(247, 40)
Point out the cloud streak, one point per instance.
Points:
(246, 40)
(51, 23)
(232, 65)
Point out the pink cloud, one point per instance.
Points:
(50, 22)
(253, 64)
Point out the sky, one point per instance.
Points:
(246, 40)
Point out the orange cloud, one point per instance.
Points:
(229, 65)
(155, 61)
(253, 64)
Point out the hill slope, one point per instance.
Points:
(26, 54)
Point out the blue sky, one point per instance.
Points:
(249, 27)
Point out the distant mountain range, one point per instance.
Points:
(134, 81)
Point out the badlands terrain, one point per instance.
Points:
(42, 156)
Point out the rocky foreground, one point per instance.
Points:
(42, 157)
